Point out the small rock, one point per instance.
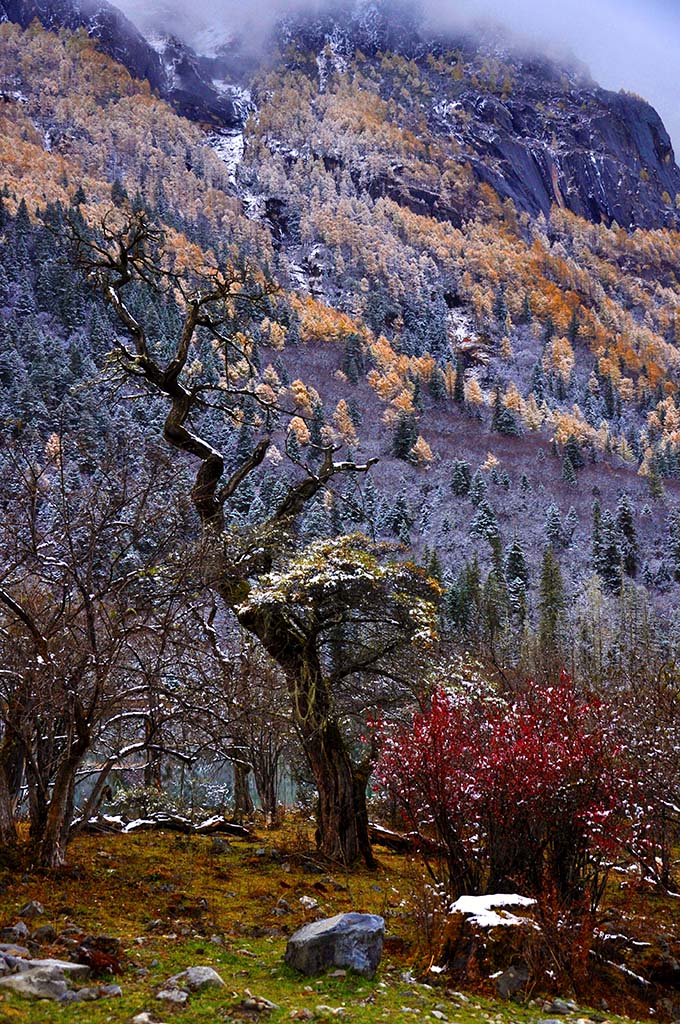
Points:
(220, 846)
(103, 944)
(260, 852)
(15, 933)
(334, 1011)
(173, 995)
(9, 949)
(512, 981)
(561, 1006)
(145, 1018)
(45, 935)
(110, 992)
(84, 995)
(31, 909)
(309, 903)
(258, 1004)
(196, 979)
(438, 1015)
(75, 972)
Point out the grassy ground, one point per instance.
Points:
(175, 903)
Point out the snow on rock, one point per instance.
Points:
(483, 911)
(229, 147)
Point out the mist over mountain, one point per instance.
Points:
(627, 44)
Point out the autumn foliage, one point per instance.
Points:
(531, 795)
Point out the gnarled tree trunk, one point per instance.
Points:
(342, 820)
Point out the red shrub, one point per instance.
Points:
(533, 794)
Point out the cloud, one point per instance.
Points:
(629, 44)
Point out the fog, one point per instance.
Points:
(627, 44)
(630, 44)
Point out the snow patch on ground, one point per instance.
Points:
(483, 910)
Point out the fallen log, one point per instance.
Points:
(162, 821)
(399, 842)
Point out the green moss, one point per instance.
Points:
(156, 891)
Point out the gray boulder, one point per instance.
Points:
(40, 983)
(14, 933)
(512, 981)
(354, 941)
(46, 934)
(75, 972)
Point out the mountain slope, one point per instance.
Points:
(172, 69)
(509, 369)
(538, 133)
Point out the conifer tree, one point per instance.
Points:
(459, 386)
(484, 522)
(437, 385)
(570, 524)
(478, 487)
(596, 541)
(551, 604)
(611, 563)
(625, 522)
(460, 478)
(553, 526)
(673, 531)
(405, 436)
(568, 471)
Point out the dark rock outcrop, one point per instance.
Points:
(549, 136)
(175, 72)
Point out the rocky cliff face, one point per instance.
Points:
(537, 132)
(170, 67)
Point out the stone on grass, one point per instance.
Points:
(173, 995)
(75, 972)
(352, 941)
(14, 933)
(46, 934)
(32, 909)
(40, 983)
(258, 1004)
(196, 979)
(220, 846)
(83, 995)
